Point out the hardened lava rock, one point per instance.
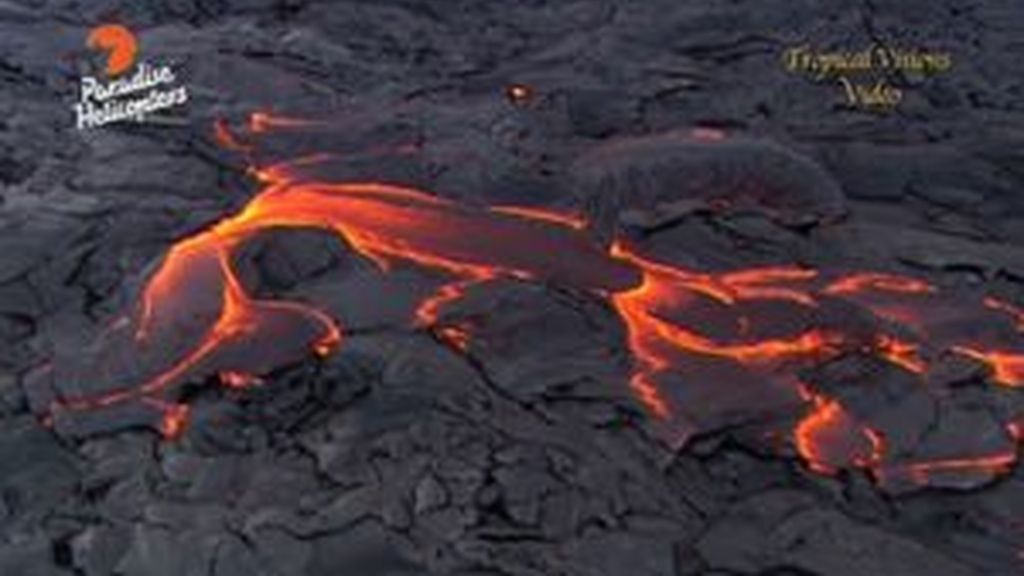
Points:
(649, 181)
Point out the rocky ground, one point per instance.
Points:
(398, 455)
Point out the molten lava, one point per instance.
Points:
(1014, 312)
(1007, 367)
(195, 305)
(829, 438)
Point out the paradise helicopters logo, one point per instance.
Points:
(129, 92)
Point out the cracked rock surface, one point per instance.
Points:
(524, 452)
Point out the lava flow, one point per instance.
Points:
(767, 322)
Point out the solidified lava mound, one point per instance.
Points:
(650, 181)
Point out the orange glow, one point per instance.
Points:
(238, 380)
(647, 392)
(569, 220)
(389, 225)
(455, 336)
(877, 449)
(195, 310)
(656, 342)
(636, 308)
(283, 172)
(859, 283)
(902, 354)
(227, 140)
(173, 420)
(1016, 313)
(763, 284)
(1007, 367)
(428, 313)
(1016, 430)
(519, 93)
(828, 438)
(920, 472)
(668, 276)
(266, 122)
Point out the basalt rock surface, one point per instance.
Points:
(522, 449)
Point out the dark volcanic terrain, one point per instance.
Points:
(513, 414)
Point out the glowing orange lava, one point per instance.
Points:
(264, 122)
(903, 354)
(1007, 367)
(195, 305)
(238, 380)
(1014, 312)
(519, 94)
(857, 283)
(174, 417)
(829, 438)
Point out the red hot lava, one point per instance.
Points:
(392, 226)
